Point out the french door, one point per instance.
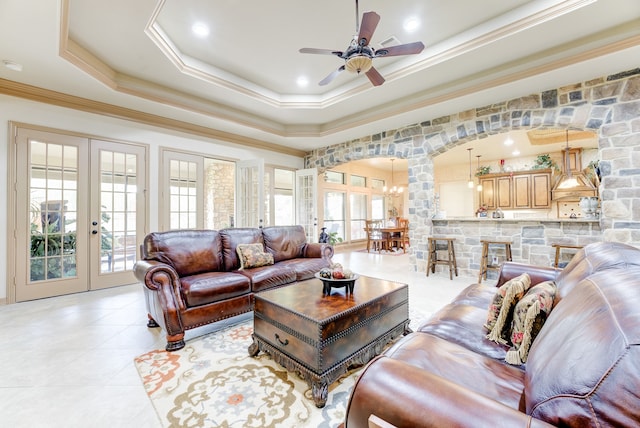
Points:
(307, 202)
(80, 213)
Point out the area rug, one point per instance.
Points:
(213, 382)
(393, 252)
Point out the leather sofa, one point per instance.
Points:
(194, 277)
(583, 368)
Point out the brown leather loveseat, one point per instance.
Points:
(194, 277)
(583, 368)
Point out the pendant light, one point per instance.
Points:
(394, 191)
(470, 183)
(479, 188)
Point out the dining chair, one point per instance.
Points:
(375, 236)
(401, 239)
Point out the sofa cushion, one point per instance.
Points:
(529, 315)
(252, 256)
(501, 307)
(189, 252)
(212, 287)
(593, 258)
(487, 376)
(582, 369)
(478, 295)
(284, 242)
(305, 268)
(463, 324)
(230, 240)
(265, 277)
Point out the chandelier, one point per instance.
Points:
(394, 191)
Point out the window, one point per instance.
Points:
(334, 177)
(334, 213)
(377, 207)
(377, 184)
(358, 209)
(182, 195)
(283, 202)
(358, 181)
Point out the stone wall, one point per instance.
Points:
(610, 105)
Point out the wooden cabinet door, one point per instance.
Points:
(521, 191)
(488, 194)
(503, 185)
(541, 190)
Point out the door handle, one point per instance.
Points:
(94, 232)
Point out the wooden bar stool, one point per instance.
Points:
(485, 266)
(560, 247)
(449, 261)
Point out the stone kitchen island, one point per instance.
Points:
(531, 239)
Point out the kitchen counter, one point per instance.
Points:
(520, 220)
(531, 239)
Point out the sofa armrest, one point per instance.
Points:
(317, 250)
(162, 278)
(538, 274)
(407, 396)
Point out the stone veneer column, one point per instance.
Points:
(610, 105)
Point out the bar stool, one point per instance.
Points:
(560, 247)
(449, 261)
(485, 266)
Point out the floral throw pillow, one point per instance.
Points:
(501, 307)
(529, 315)
(252, 256)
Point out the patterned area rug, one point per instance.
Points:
(213, 382)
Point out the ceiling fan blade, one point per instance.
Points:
(331, 76)
(375, 77)
(367, 27)
(406, 49)
(320, 51)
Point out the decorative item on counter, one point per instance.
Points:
(498, 213)
(589, 206)
(482, 211)
(502, 165)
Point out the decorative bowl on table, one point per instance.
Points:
(332, 279)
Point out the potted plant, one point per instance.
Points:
(544, 161)
(483, 170)
(334, 238)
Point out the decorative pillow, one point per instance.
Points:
(501, 307)
(252, 256)
(529, 315)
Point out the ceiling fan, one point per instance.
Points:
(359, 55)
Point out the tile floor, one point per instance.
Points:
(68, 361)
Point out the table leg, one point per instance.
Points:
(319, 392)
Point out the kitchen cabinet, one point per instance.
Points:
(517, 190)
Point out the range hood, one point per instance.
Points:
(572, 184)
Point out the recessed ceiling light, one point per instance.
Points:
(12, 65)
(516, 152)
(302, 81)
(508, 141)
(411, 24)
(200, 29)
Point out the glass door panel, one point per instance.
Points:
(117, 214)
(51, 250)
(306, 205)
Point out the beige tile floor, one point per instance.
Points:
(68, 361)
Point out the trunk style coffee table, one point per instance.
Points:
(321, 336)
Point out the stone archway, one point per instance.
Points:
(609, 105)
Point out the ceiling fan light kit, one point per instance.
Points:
(359, 55)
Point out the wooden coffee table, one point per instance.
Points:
(321, 336)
